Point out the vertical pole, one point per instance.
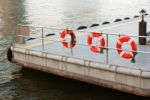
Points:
(72, 42)
(42, 38)
(18, 35)
(21, 39)
(71, 52)
(142, 32)
(142, 28)
(107, 59)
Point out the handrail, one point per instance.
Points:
(107, 48)
(59, 40)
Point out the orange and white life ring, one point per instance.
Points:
(96, 49)
(73, 38)
(126, 55)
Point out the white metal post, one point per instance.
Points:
(107, 40)
(42, 38)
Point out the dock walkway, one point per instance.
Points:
(105, 69)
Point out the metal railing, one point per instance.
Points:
(27, 35)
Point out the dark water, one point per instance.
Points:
(24, 84)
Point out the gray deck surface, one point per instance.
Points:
(129, 27)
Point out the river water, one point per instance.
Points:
(25, 84)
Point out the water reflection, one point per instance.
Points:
(19, 12)
(9, 12)
(5, 13)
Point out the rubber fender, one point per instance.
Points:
(146, 14)
(126, 18)
(117, 20)
(9, 55)
(31, 39)
(51, 34)
(81, 27)
(136, 16)
(94, 25)
(105, 22)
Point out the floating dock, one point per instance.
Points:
(41, 48)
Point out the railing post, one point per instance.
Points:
(21, 40)
(42, 38)
(107, 59)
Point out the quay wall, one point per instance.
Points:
(121, 78)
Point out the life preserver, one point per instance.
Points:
(73, 38)
(126, 55)
(96, 49)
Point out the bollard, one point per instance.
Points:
(142, 29)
